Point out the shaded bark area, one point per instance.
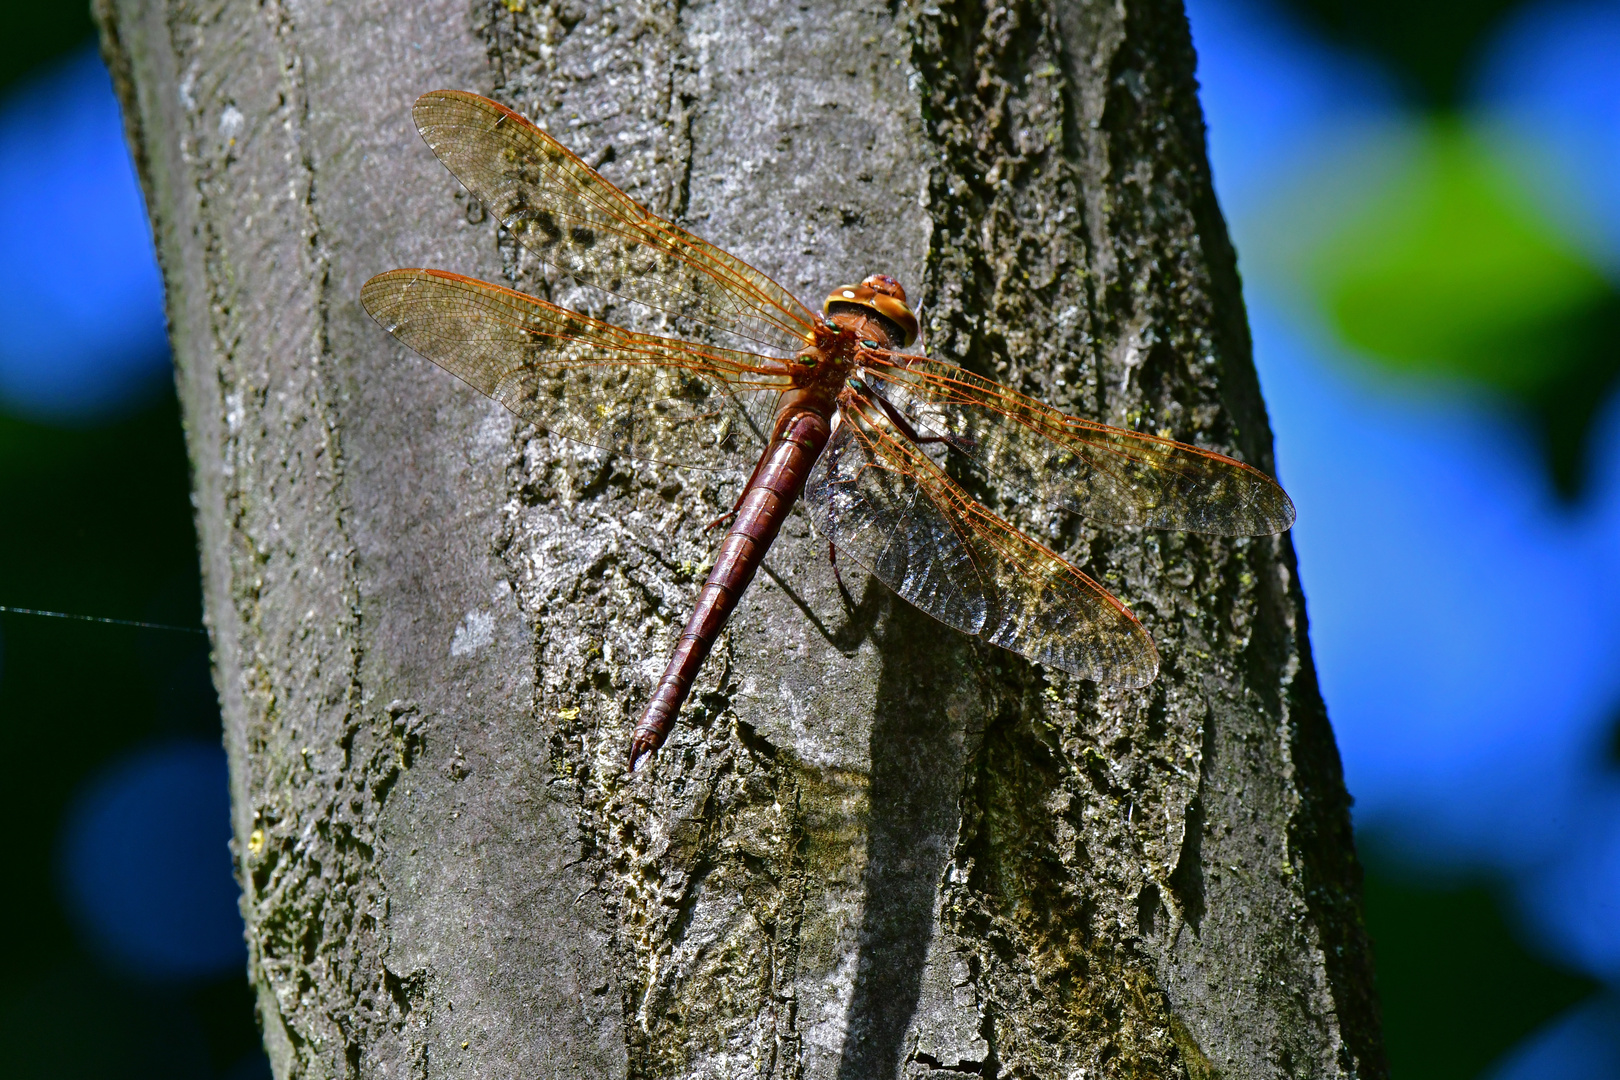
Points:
(872, 848)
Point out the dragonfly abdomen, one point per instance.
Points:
(765, 504)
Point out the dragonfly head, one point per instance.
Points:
(879, 302)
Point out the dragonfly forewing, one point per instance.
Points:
(1105, 474)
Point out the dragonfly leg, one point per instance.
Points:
(731, 515)
(832, 527)
(832, 558)
(964, 443)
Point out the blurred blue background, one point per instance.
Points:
(124, 954)
(1425, 197)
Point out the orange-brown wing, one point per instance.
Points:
(649, 397)
(889, 507)
(562, 210)
(1105, 473)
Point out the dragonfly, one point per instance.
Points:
(828, 406)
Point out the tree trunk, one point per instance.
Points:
(873, 847)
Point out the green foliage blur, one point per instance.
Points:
(1449, 270)
(1428, 256)
(1439, 264)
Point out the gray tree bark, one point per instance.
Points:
(873, 847)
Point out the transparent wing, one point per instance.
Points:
(887, 506)
(562, 210)
(1104, 473)
(649, 397)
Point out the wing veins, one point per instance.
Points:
(649, 397)
(1107, 473)
(977, 572)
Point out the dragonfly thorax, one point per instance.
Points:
(821, 368)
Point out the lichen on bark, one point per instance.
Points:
(873, 847)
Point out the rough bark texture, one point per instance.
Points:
(873, 847)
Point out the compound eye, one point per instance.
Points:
(870, 344)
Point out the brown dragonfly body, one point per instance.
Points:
(832, 410)
(803, 425)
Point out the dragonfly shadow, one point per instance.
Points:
(859, 618)
(918, 752)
